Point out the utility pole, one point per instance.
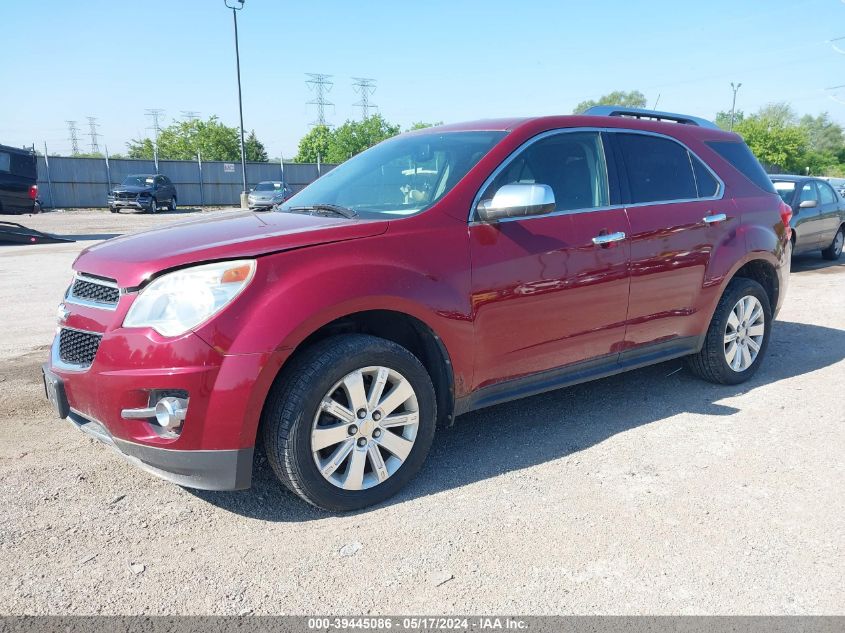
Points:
(92, 132)
(364, 87)
(190, 115)
(735, 88)
(235, 7)
(321, 85)
(73, 132)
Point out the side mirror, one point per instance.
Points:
(517, 200)
(808, 204)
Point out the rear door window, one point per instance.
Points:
(658, 169)
(5, 161)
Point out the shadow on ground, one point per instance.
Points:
(523, 433)
(810, 262)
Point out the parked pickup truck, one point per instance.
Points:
(18, 174)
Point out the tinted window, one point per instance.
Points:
(785, 189)
(5, 161)
(826, 193)
(658, 169)
(738, 155)
(706, 184)
(572, 164)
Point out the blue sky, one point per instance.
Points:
(434, 60)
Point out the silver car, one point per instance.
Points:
(267, 194)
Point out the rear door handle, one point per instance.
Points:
(601, 240)
(713, 219)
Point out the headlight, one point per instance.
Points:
(181, 300)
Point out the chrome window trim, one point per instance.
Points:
(472, 220)
(71, 298)
(55, 357)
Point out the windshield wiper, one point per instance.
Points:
(331, 208)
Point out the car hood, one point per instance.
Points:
(132, 189)
(132, 259)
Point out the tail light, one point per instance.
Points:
(786, 216)
(33, 192)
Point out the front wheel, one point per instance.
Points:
(834, 251)
(349, 422)
(738, 335)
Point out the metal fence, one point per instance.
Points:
(85, 182)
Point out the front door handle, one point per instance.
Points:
(601, 240)
(715, 218)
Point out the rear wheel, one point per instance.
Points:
(349, 422)
(172, 205)
(834, 251)
(738, 335)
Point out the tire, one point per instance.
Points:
(153, 206)
(112, 209)
(711, 363)
(293, 410)
(172, 206)
(834, 251)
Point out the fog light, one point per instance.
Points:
(170, 412)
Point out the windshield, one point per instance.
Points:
(137, 181)
(785, 189)
(268, 186)
(399, 177)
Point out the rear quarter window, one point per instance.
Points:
(738, 155)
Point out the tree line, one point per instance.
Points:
(782, 141)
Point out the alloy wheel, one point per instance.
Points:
(838, 243)
(365, 428)
(744, 333)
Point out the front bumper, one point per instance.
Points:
(206, 470)
(130, 203)
(215, 445)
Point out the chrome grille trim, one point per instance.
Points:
(93, 292)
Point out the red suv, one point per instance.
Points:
(441, 271)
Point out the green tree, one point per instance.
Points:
(353, 137)
(723, 118)
(336, 146)
(630, 99)
(314, 144)
(775, 138)
(254, 149)
(824, 135)
(212, 139)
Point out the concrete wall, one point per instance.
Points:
(85, 182)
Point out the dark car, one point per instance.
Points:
(145, 192)
(18, 175)
(441, 271)
(268, 194)
(818, 214)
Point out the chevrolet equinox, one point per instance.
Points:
(441, 271)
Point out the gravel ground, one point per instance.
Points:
(645, 493)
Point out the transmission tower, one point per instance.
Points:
(92, 132)
(73, 131)
(191, 115)
(364, 87)
(321, 85)
(155, 115)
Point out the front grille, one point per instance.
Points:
(78, 348)
(90, 290)
(125, 195)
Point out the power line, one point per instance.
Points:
(364, 87)
(191, 115)
(321, 85)
(92, 132)
(73, 131)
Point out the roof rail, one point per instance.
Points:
(642, 113)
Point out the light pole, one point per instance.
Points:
(735, 88)
(235, 7)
